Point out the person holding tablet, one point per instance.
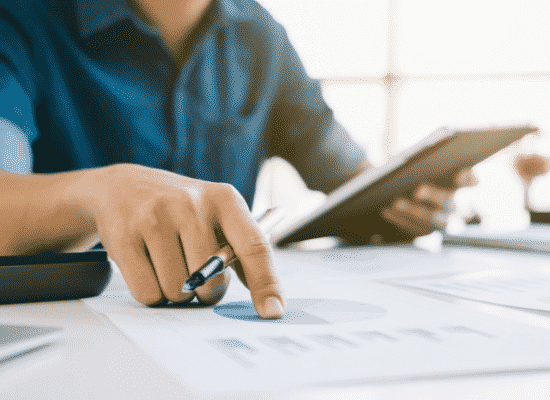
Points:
(142, 124)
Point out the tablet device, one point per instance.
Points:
(353, 211)
(19, 339)
(53, 276)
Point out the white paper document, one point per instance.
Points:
(517, 280)
(535, 238)
(340, 328)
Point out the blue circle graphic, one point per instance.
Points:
(306, 311)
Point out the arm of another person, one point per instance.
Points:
(304, 132)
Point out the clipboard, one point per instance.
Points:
(352, 212)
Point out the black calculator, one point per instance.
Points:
(53, 276)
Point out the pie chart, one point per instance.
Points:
(306, 312)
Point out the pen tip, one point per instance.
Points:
(187, 288)
(191, 284)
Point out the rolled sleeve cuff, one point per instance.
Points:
(15, 149)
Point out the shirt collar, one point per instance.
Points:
(229, 10)
(96, 15)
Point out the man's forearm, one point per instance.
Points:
(45, 212)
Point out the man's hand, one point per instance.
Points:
(160, 227)
(429, 208)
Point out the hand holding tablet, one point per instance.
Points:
(354, 211)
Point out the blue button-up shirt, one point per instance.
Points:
(91, 84)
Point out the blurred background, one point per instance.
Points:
(395, 71)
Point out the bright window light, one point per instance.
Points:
(336, 38)
(472, 36)
(425, 105)
(361, 109)
(455, 63)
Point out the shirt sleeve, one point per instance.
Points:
(302, 129)
(17, 98)
(15, 149)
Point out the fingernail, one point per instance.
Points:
(466, 178)
(423, 193)
(401, 205)
(462, 180)
(272, 308)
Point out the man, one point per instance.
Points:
(120, 93)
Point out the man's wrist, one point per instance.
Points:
(59, 214)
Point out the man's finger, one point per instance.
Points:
(465, 178)
(436, 196)
(420, 213)
(254, 253)
(166, 253)
(200, 244)
(131, 258)
(238, 268)
(412, 227)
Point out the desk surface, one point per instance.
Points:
(93, 360)
(96, 360)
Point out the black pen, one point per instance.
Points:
(225, 256)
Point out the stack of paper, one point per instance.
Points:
(509, 279)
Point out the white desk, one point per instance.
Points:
(95, 360)
(92, 361)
